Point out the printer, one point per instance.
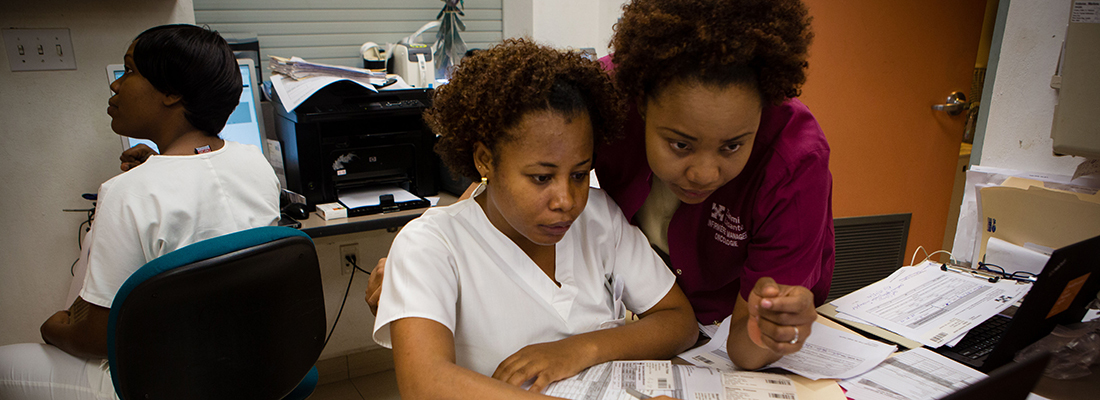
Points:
(346, 139)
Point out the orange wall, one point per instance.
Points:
(875, 69)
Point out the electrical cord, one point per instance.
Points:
(351, 259)
(928, 256)
(80, 230)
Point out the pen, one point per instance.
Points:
(637, 394)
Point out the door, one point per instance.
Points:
(876, 68)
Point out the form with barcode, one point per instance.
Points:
(744, 385)
(609, 381)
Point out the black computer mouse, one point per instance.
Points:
(296, 211)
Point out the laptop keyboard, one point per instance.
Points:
(981, 340)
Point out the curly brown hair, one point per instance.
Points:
(491, 91)
(762, 43)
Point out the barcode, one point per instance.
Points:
(778, 382)
(662, 383)
(784, 396)
(703, 359)
(939, 336)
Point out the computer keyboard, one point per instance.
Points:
(981, 340)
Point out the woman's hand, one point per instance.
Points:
(544, 362)
(374, 285)
(780, 316)
(134, 156)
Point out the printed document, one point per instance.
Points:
(835, 354)
(828, 353)
(928, 305)
(293, 92)
(609, 381)
(713, 353)
(913, 375)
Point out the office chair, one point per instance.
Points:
(232, 317)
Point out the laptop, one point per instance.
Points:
(1010, 382)
(1060, 295)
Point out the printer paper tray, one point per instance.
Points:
(368, 201)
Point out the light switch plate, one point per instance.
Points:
(39, 49)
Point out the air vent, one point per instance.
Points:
(867, 249)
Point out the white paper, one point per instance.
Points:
(831, 353)
(917, 374)
(850, 318)
(701, 383)
(370, 196)
(1014, 258)
(293, 92)
(828, 353)
(969, 229)
(713, 353)
(1085, 12)
(608, 381)
(710, 329)
(928, 305)
(757, 386)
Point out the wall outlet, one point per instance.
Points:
(39, 49)
(345, 251)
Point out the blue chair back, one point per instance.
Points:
(236, 316)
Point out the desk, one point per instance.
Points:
(316, 227)
(1081, 388)
(1054, 389)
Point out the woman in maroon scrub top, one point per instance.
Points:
(722, 168)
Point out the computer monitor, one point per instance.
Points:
(245, 125)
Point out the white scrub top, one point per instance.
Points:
(454, 267)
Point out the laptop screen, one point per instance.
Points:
(245, 125)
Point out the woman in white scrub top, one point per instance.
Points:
(517, 286)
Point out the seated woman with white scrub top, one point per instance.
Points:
(526, 282)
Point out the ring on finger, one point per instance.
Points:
(795, 340)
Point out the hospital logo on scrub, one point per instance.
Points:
(727, 228)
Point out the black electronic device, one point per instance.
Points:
(297, 211)
(345, 138)
(286, 220)
(1010, 382)
(1060, 295)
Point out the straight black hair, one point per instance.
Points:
(196, 64)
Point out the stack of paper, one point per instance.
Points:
(615, 380)
(297, 68)
(914, 375)
(827, 354)
(295, 79)
(977, 223)
(929, 305)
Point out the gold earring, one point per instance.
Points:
(480, 186)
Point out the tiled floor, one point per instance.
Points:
(380, 386)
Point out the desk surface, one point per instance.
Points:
(316, 227)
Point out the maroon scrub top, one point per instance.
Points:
(774, 219)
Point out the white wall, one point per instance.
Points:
(56, 143)
(1021, 108)
(564, 23)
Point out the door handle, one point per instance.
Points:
(956, 103)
